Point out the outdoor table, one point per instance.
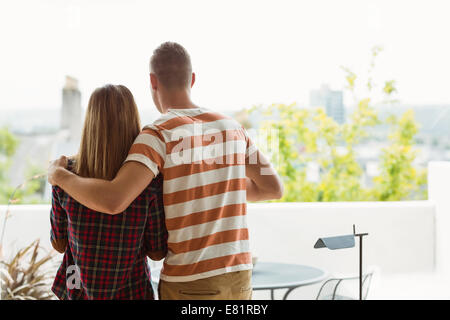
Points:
(272, 276)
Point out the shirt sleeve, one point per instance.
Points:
(58, 221)
(155, 236)
(149, 149)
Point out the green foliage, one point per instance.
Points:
(8, 145)
(34, 185)
(27, 192)
(399, 179)
(309, 137)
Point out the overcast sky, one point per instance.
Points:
(244, 52)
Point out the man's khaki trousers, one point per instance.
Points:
(228, 286)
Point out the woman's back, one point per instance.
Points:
(108, 252)
(105, 255)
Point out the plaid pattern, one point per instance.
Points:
(109, 250)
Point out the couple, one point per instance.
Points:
(175, 190)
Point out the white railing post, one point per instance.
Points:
(439, 194)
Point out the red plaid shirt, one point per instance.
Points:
(109, 251)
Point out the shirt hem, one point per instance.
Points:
(203, 275)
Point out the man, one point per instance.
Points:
(210, 168)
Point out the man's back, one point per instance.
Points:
(201, 155)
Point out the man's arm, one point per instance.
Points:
(263, 183)
(111, 197)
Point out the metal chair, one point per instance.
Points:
(334, 288)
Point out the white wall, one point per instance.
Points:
(439, 194)
(401, 234)
(25, 224)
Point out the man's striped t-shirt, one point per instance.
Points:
(202, 156)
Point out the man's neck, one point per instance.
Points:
(177, 100)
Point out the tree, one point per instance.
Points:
(8, 145)
(27, 191)
(304, 137)
(399, 179)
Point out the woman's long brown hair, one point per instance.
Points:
(111, 125)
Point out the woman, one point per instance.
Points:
(105, 255)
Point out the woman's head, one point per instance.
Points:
(110, 127)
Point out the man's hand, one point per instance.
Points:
(54, 169)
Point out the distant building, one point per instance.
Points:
(47, 139)
(71, 110)
(331, 100)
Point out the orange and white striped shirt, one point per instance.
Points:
(201, 155)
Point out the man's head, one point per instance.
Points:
(170, 71)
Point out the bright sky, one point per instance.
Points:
(244, 52)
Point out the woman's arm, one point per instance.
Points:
(155, 235)
(58, 221)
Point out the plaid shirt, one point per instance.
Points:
(109, 251)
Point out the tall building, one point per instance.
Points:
(71, 109)
(45, 142)
(331, 100)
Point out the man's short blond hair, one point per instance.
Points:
(171, 64)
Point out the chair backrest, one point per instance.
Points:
(335, 288)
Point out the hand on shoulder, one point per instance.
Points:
(54, 169)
